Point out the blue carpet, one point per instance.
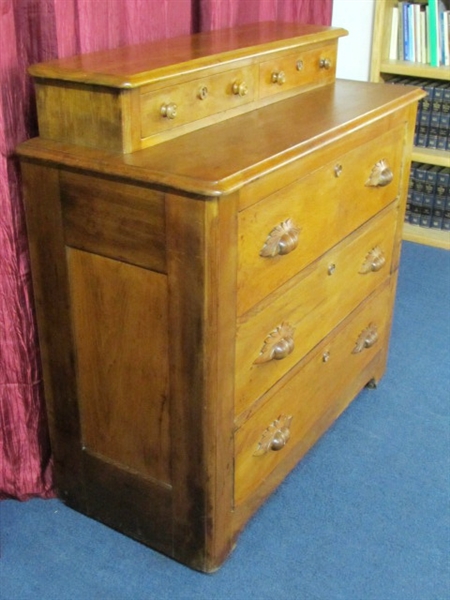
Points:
(365, 516)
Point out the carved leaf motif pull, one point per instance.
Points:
(277, 345)
(374, 261)
(367, 338)
(281, 240)
(381, 175)
(275, 437)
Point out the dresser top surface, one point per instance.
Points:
(222, 158)
(133, 66)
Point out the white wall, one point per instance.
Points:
(354, 50)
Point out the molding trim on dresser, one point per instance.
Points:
(214, 279)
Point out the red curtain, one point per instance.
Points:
(215, 14)
(38, 30)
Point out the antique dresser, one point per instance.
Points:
(214, 225)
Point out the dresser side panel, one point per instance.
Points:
(80, 114)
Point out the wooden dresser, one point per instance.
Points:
(214, 225)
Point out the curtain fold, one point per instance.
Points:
(215, 14)
(33, 31)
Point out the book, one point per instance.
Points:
(393, 42)
(444, 37)
(408, 32)
(433, 32)
(419, 32)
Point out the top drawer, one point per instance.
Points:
(284, 232)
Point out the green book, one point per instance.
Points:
(433, 32)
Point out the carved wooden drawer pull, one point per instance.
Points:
(367, 338)
(278, 344)
(374, 261)
(275, 437)
(281, 240)
(381, 175)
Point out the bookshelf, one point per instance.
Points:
(382, 68)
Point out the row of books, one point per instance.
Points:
(428, 203)
(433, 113)
(420, 32)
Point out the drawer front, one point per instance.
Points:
(178, 105)
(272, 338)
(316, 389)
(317, 66)
(284, 232)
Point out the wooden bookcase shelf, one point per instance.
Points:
(382, 68)
(410, 69)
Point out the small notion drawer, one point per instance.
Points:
(284, 232)
(313, 389)
(278, 333)
(184, 103)
(316, 66)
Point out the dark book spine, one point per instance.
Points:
(430, 200)
(418, 191)
(410, 192)
(444, 124)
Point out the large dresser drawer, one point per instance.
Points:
(310, 393)
(276, 334)
(284, 232)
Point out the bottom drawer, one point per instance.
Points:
(309, 393)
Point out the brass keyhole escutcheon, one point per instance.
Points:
(203, 92)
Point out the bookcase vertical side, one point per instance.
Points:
(381, 36)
